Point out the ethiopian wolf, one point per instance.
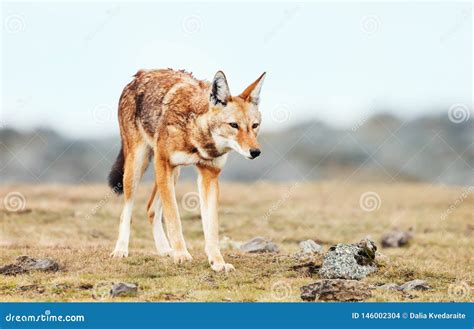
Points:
(180, 120)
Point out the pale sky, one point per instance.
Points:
(65, 65)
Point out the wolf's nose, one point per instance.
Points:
(254, 153)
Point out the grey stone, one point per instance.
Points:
(308, 252)
(310, 247)
(349, 261)
(415, 285)
(336, 290)
(389, 286)
(258, 245)
(26, 264)
(44, 264)
(396, 239)
(124, 290)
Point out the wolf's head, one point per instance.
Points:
(235, 120)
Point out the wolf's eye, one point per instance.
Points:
(255, 125)
(234, 125)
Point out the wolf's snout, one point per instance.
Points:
(254, 153)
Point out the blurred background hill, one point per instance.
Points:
(381, 148)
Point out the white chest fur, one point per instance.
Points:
(180, 158)
(183, 158)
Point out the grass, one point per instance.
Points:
(77, 226)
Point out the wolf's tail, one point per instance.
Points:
(116, 173)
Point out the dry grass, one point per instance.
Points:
(60, 222)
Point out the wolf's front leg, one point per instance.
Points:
(209, 197)
(165, 186)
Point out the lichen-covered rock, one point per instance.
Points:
(336, 290)
(396, 239)
(259, 244)
(124, 290)
(349, 261)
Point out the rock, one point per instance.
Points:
(31, 264)
(227, 243)
(336, 290)
(12, 269)
(389, 286)
(349, 261)
(25, 264)
(366, 253)
(259, 244)
(310, 247)
(396, 239)
(414, 285)
(124, 290)
(309, 258)
(410, 285)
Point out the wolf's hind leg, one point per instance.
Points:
(155, 215)
(136, 159)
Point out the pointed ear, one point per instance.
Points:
(220, 93)
(252, 92)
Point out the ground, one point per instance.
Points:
(78, 225)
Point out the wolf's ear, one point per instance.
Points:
(252, 92)
(220, 92)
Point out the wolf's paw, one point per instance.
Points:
(181, 256)
(119, 253)
(223, 267)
